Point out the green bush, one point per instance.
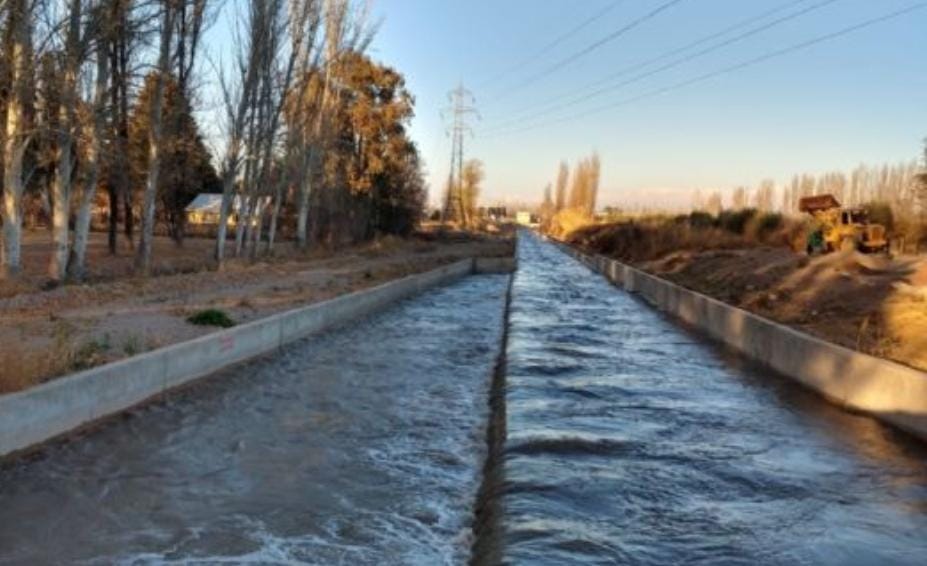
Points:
(211, 317)
(735, 221)
(768, 222)
(699, 219)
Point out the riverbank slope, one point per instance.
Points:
(872, 304)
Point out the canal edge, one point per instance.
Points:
(838, 374)
(486, 548)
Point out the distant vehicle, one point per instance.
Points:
(841, 228)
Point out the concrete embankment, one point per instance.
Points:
(889, 391)
(55, 408)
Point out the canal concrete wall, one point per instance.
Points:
(892, 392)
(494, 264)
(33, 416)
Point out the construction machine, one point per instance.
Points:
(839, 228)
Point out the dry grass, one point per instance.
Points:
(47, 333)
(66, 353)
(651, 238)
(873, 304)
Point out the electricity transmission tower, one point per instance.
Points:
(459, 112)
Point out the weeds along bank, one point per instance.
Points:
(871, 303)
(652, 237)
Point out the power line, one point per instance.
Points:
(593, 46)
(670, 65)
(555, 104)
(726, 70)
(557, 41)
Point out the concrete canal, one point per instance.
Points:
(361, 446)
(631, 441)
(623, 439)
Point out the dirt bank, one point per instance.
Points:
(48, 333)
(870, 303)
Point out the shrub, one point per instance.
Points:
(735, 221)
(880, 213)
(768, 222)
(90, 354)
(211, 317)
(699, 219)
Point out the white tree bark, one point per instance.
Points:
(143, 260)
(78, 265)
(16, 141)
(64, 173)
(274, 214)
(244, 221)
(258, 229)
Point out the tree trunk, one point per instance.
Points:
(119, 100)
(16, 140)
(272, 231)
(244, 221)
(113, 220)
(129, 220)
(61, 208)
(12, 208)
(303, 196)
(143, 259)
(61, 200)
(302, 217)
(78, 267)
(275, 213)
(228, 187)
(257, 231)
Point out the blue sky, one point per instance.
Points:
(861, 97)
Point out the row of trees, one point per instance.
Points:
(100, 94)
(896, 185)
(572, 201)
(900, 189)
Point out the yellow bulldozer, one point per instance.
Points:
(843, 229)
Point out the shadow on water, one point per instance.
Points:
(630, 440)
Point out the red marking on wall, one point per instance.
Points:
(226, 343)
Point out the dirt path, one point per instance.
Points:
(44, 334)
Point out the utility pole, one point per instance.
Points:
(460, 110)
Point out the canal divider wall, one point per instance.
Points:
(891, 392)
(33, 416)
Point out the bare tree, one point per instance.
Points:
(470, 180)
(740, 198)
(239, 94)
(563, 178)
(121, 35)
(305, 17)
(96, 134)
(143, 258)
(73, 55)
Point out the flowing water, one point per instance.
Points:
(361, 446)
(631, 441)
